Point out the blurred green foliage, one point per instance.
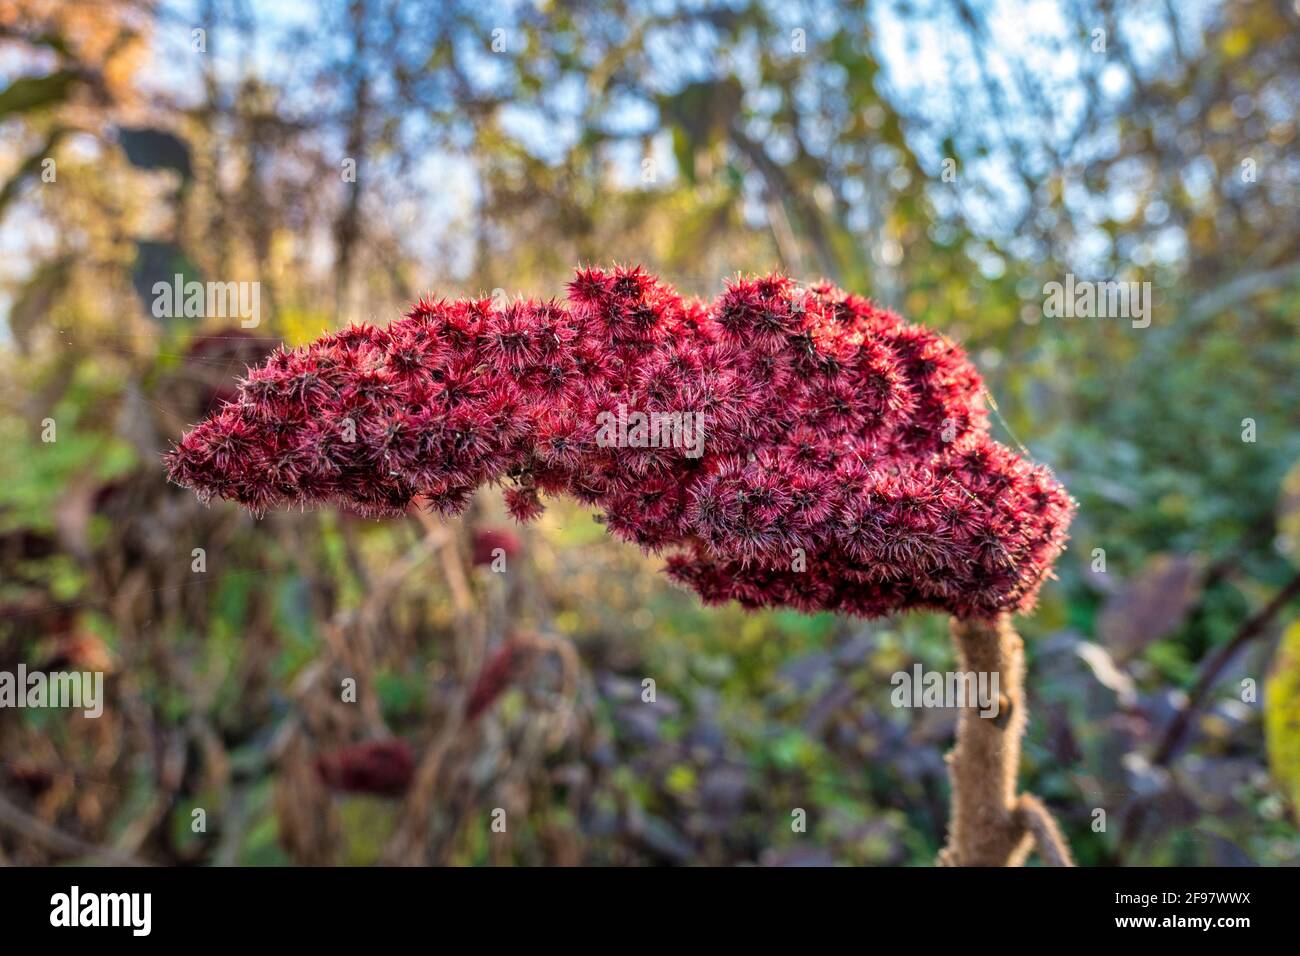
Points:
(699, 140)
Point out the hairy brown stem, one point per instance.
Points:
(1049, 841)
(990, 825)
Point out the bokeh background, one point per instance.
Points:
(947, 157)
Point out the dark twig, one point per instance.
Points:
(1177, 730)
(52, 838)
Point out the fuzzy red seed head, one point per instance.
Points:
(788, 446)
(488, 543)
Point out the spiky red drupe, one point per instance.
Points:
(846, 460)
(382, 767)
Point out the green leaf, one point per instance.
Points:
(1288, 515)
(34, 92)
(1282, 715)
(160, 262)
(155, 149)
